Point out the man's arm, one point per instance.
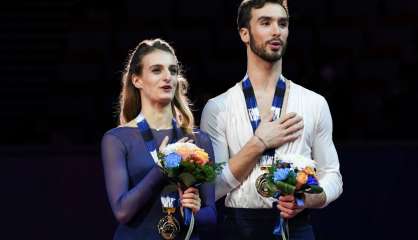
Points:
(324, 152)
(269, 134)
(213, 122)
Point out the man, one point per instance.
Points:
(245, 143)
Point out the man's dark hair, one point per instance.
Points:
(244, 10)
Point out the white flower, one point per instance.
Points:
(297, 161)
(173, 147)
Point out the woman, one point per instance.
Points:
(152, 93)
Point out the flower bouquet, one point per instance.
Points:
(291, 174)
(187, 165)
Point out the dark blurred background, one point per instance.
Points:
(60, 67)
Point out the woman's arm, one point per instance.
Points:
(126, 202)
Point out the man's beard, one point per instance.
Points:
(261, 51)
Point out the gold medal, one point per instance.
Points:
(261, 183)
(168, 226)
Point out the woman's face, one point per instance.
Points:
(158, 80)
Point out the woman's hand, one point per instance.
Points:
(190, 199)
(164, 143)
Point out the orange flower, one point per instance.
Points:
(310, 171)
(200, 157)
(301, 179)
(184, 152)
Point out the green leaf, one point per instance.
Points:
(272, 188)
(271, 169)
(291, 178)
(187, 179)
(285, 188)
(172, 172)
(314, 189)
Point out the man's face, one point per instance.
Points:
(268, 32)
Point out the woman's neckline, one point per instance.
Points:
(133, 124)
(152, 129)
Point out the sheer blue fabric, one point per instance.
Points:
(134, 184)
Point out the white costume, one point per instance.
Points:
(225, 119)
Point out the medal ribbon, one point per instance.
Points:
(254, 114)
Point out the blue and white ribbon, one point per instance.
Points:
(254, 113)
(168, 201)
(146, 133)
